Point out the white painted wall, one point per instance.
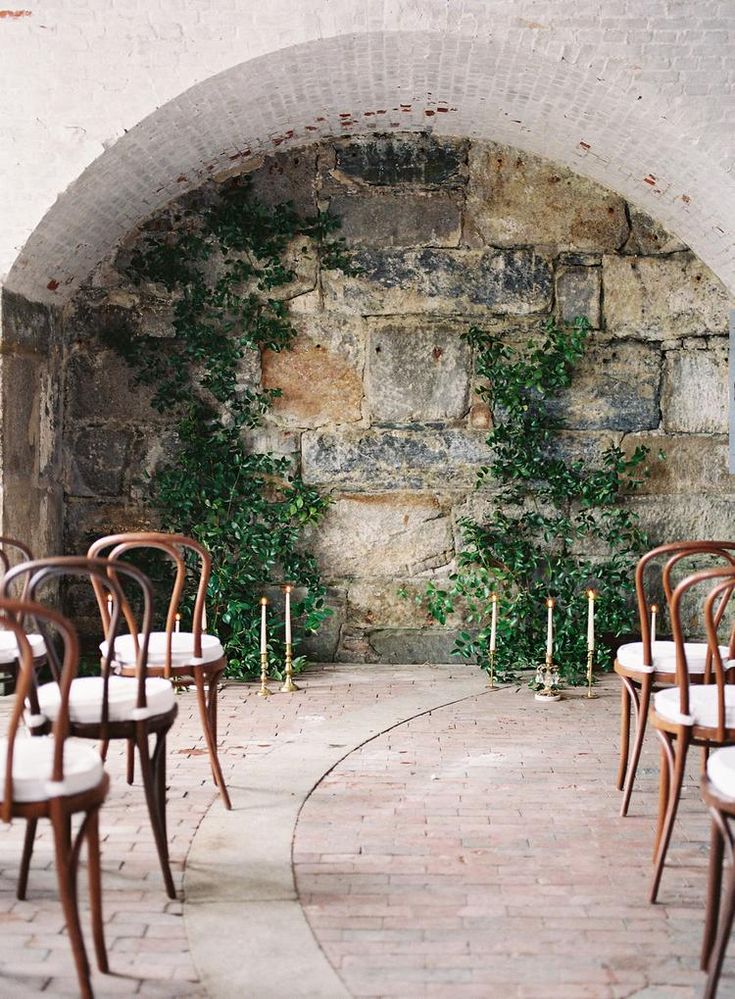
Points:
(111, 107)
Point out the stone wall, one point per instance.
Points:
(379, 406)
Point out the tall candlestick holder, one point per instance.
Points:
(491, 669)
(547, 676)
(590, 661)
(288, 685)
(264, 691)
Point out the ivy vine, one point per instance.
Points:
(551, 511)
(226, 268)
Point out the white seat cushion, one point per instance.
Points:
(33, 767)
(664, 656)
(182, 649)
(721, 770)
(702, 705)
(9, 646)
(85, 699)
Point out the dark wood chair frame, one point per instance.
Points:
(719, 910)
(676, 737)
(59, 810)
(201, 675)
(638, 685)
(104, 577)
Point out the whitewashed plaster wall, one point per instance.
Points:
(112, 107)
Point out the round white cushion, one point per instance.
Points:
(33, 767)
(721, 770)
(9, 646)
(182, 649)
(85, 699)
(664, 656)
(702, 705)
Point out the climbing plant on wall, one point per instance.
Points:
(227, 268)
(551, 513)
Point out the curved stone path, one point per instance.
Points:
(396, 831)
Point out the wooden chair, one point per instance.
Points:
(718, 791)
(11, 553)
(693, 714)
(643, 666)
(186, 657)
(109, 706)
(54, 777)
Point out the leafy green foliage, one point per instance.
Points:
(552, 511)
(226, 268)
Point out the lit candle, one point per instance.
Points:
(591, 620)
(263, 629)
(204, 618)
(177, 626)
(654, 612)
(109, 604)
(287, 589)
(550, 604)
(494, 622)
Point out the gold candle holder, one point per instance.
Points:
(264, 690)
(548, 676)
(590, 661)
(288, 685)
(491, 669)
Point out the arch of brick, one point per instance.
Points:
(637, 103)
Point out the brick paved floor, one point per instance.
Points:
(472, 851)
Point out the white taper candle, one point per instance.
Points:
(263, 629)
(654, 612)
(288, 588)
(494, 622)
(591, 620)
(550, 626)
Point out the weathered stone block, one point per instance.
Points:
(516, 198)
(29, 324)
(684, 517)
(417, 372)
(89, 519)
(394, 534)
(98, 461)
(692, 464)
(659, 297)
(469, 282)
(413, 646)
(397, 218)
(647, 237)
(321, 377)
(578, 293)
(425, 160)
(616, 386)
(394, 459)
(289, 176)
(377, 603)
(322, 647)
(100, 386)
(694, 398)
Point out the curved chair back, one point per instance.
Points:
(12, 612)
(103, 576)
(174, 547)
(715, 589)
(672, 555)
(11, 547)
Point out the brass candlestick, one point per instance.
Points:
(264, 691)
(549, 677)
(590, 659)
(288, 685)
(491, 668)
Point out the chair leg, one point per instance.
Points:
(723, 936)
(156, 807)
(95, 888)
(677, 766)
(640, 704)
(130, 777)
(204, 713)
(714, 887)
(624, 732)
(66, 873)
(25, 860)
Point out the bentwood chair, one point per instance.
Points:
(718, 791)
(694, 714)
(645, 665)
(54, 777)
(186, 657)
(13, 552)
(108, 706)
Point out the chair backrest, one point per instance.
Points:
(713, 589)
(104, 577)
(671, 555)
(10, 549)
(12, 612)
(174, 547)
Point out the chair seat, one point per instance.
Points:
(9, 646)
(85, 699)
(33, 768)
(721, 771)
(182, 649)
(702, 705)
(664, 656)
